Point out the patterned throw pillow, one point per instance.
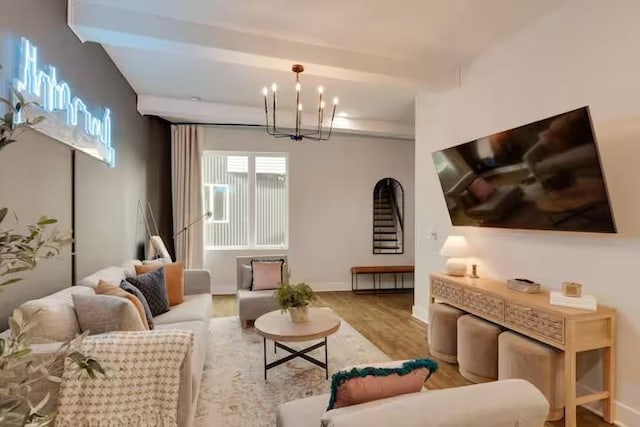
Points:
(361, 384)
(174, 279)
(266, 274)
(105, 288)
(145, 305)
(154, 290)
(106, 313)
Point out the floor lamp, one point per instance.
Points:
(207, 215)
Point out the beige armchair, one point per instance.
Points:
(253, 304)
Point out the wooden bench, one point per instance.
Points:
(378, 271)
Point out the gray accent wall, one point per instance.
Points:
(36, 172)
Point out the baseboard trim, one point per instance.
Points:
(625, 415)
(318, 287)
(331, 286)
(420, 313)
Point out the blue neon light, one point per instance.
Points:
(55, 96)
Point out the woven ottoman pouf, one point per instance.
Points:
(442, 335)
(478, 349)
(523, 358)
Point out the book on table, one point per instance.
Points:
(585, 302)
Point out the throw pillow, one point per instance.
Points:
(361, 384)
(153, 288)
(481, 189)
(128, 287)
(174, 279)
(106, 313)
(105, 288)
(266, 274)
(246, 277)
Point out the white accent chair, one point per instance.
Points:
(253, 304)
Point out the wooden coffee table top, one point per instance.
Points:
(277, 326)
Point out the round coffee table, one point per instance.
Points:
(277, 326)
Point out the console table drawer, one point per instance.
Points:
(539, 322)
(447, 291)
(484, 304)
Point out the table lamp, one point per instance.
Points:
(457, 250)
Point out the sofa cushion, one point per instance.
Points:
(194, 307)
(201, 341)
(128, 287)
(173, 276)
(109, 275)
(253, 304)
(53, 318)
(247, 277)
(497, 404)
(106, 313)
(105, 288)
(310, 411)
(152, 286)
(352, 386)
(303, 412)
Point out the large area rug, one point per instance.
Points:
(233, 391)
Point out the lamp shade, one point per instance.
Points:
(455, 246)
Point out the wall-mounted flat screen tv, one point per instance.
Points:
(545, 176)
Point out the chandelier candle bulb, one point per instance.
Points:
(265, 91)
(336, 101)
(274, 87)
(320, 90)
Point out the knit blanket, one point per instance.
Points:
(141, 383)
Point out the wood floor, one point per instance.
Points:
(386, 321)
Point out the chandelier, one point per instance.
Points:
(319, 133)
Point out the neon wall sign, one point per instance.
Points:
(68, 118)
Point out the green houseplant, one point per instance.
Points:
(20, 252)
(9, 129)
(295, 299)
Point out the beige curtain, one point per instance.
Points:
(186, 187)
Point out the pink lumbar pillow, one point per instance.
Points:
(266, 275)
(481, 189)
(356, 385)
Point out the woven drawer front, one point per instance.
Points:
(484, 304)
(446, 291)
(541, 323)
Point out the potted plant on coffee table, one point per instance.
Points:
(295, 299)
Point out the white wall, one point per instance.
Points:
(584, 53)
(330, 200)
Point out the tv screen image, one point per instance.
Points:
(545, 176)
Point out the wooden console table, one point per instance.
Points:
(569, 330)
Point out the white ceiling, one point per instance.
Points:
(375, 54)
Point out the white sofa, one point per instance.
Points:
(192, 315)
(497, 404)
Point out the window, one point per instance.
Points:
(247, 193)
(216, 201)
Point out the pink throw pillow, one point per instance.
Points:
(481, 189)
(266, 275)
(358, 385)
